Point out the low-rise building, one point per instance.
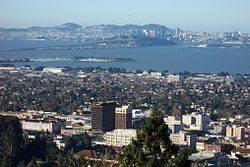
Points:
(200, 145)
(175, 128)
(245, 152)
(220, 147)
(235, 131)
(196, 121)
(219, 129)
(214, 147)
(119, 137)
(42, 125)
(209, 158)
(174, 124)
(184, 138)
(59, 142)
(173, 78)
(172, 120)
(72, 131)
(156, 74)
(137, 113)
(20, 115)
(53, 70)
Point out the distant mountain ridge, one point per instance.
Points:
(74, 26)
(139, 35)
(68, 27)
(72, 31)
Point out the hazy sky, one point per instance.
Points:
(203, 15)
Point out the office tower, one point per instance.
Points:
(123, 117)
(103, 117)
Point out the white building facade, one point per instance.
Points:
(119, 137)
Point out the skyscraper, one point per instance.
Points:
(123, 117)
(103, 117)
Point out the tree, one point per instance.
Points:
(180, 160)
(152, 146)
(21, 164)
(70, 160)
(33, 163)
(42, 148)
(77, 143)
(11, 140)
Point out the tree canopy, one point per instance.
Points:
(11, 140)
(152, 146)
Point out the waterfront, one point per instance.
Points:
(172, 58)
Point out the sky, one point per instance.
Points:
(196, 15)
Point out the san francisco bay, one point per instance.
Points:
(171, 58)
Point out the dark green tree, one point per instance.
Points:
(70, 160)
(179, 160)
(77, 143)
(33, 163)
(152, 146)
(11, 141)
(21, 164)
(42, 148)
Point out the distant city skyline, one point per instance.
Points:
(205, 15)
